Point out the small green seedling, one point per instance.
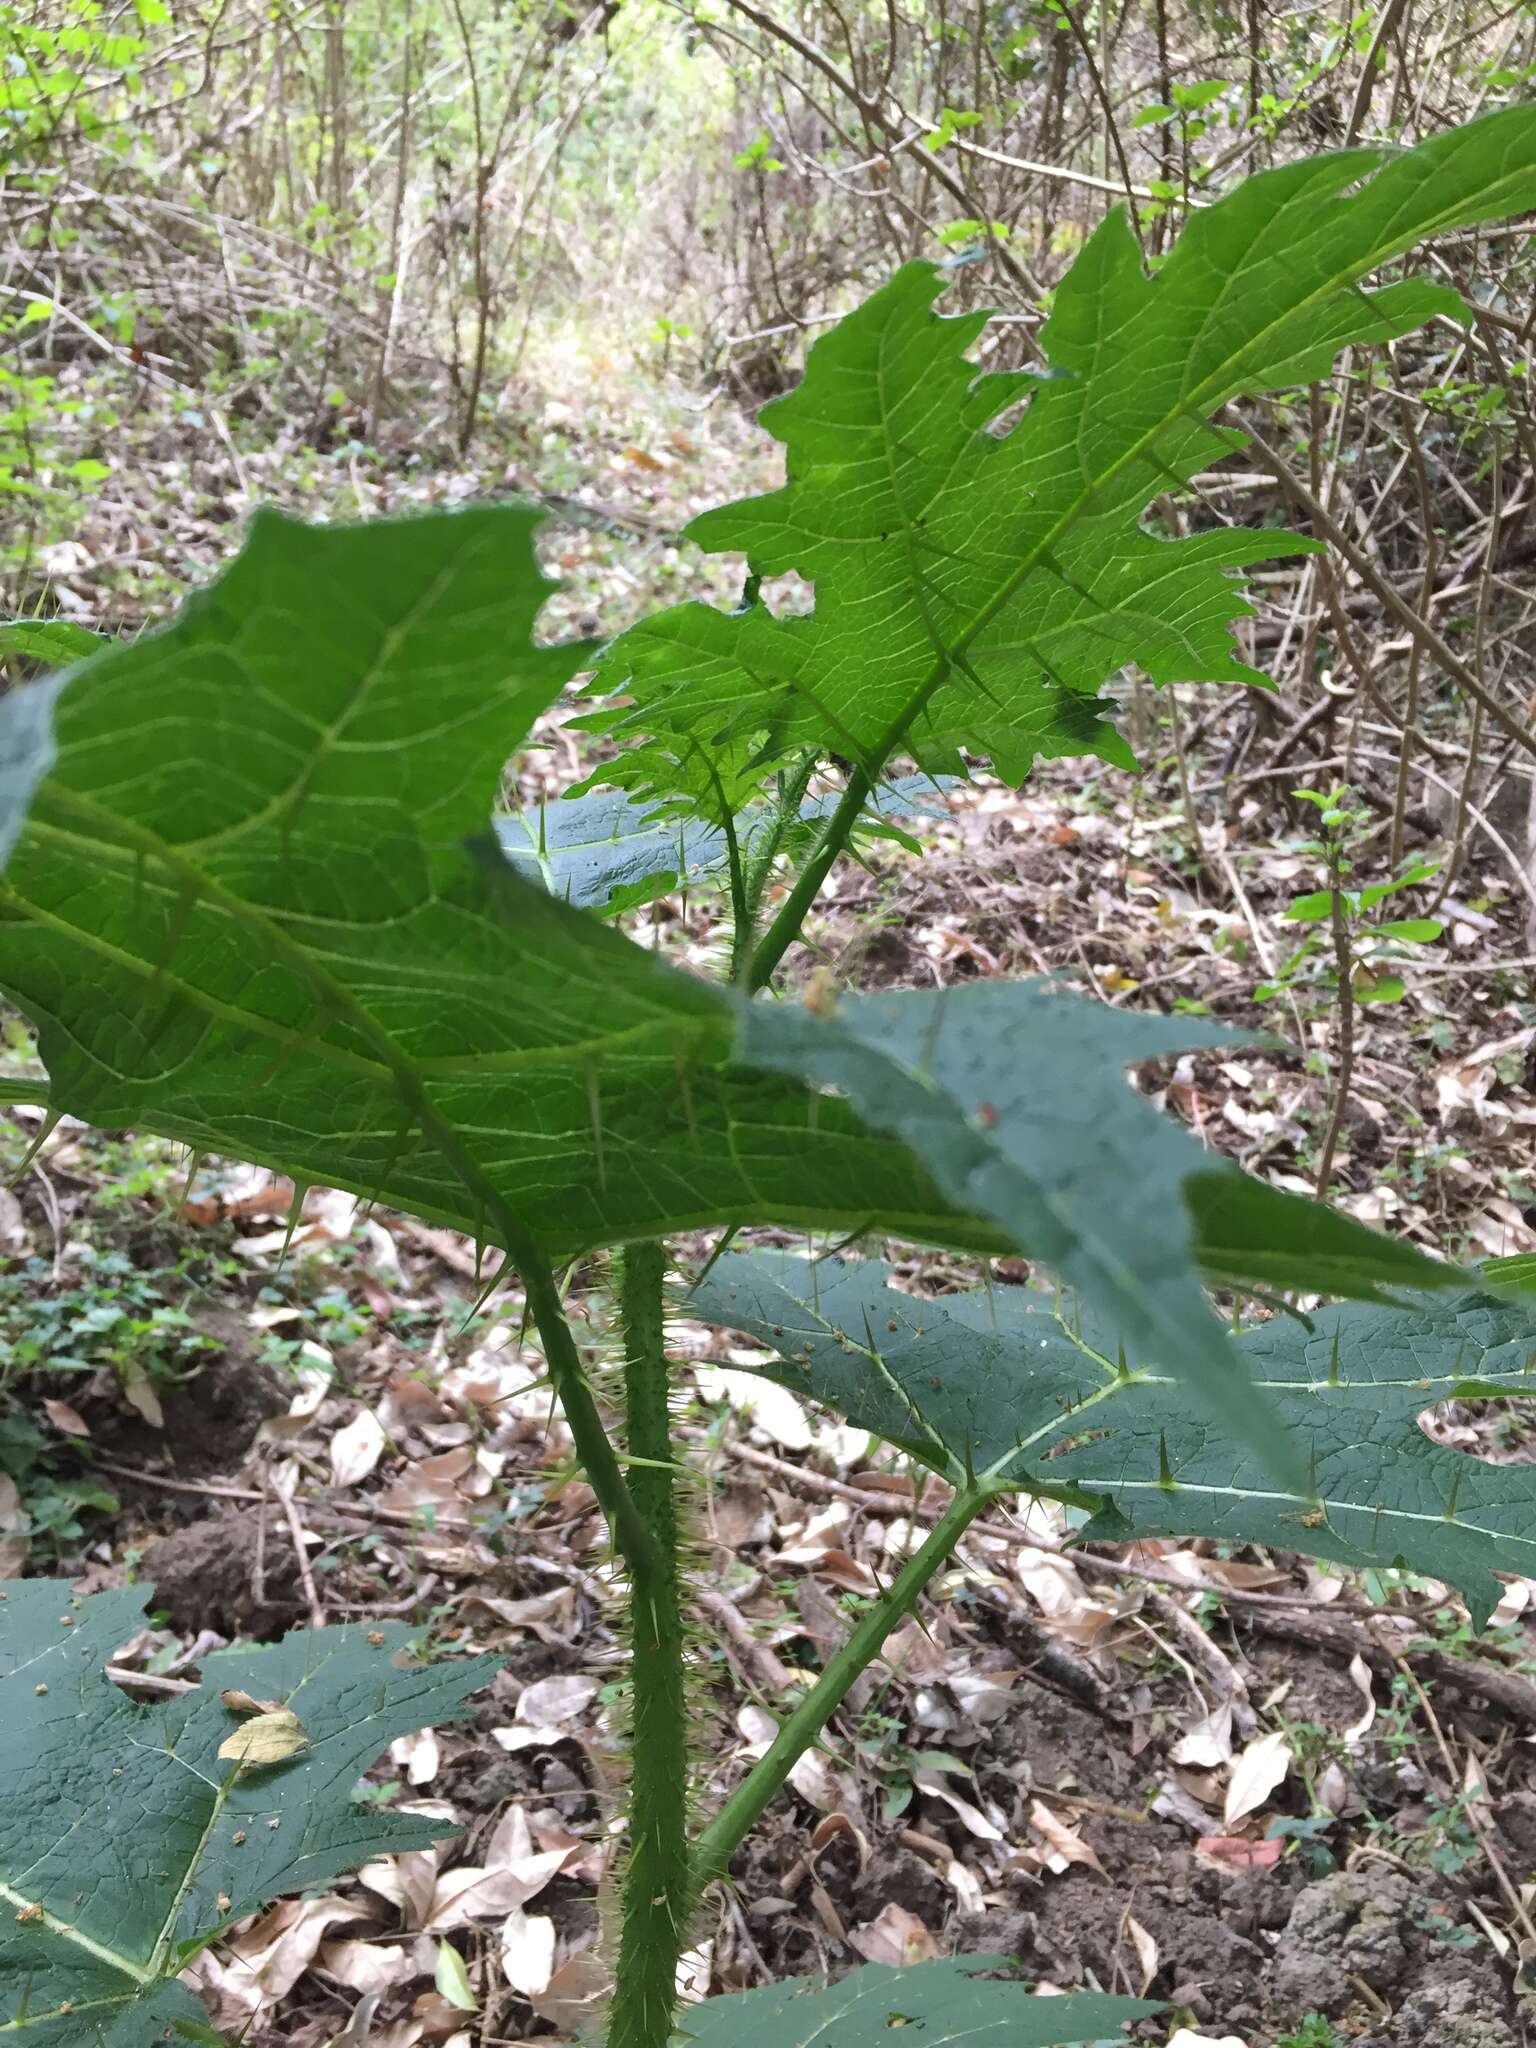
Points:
(1349, 948)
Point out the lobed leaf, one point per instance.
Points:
(126, 1845)
(601, 850)
(1015, 1100)
(1042, 1394)
(975, 589)
(944, 2003)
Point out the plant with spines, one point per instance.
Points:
(255, 902)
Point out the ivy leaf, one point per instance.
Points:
(126, 1844)
(1028, 1389)
(1016, 1101)
(932, 2004)
(975, 590)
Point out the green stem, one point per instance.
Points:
(785, 929)
(657, 1891)
(792, 788)
(594, 1447)
(719, 1841)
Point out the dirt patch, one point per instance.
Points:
(1346, 1931)
(1369, 1941)
(229, 1574)
(1386, 1955)
(211, 1417)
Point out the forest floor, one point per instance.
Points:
(1298, 1805)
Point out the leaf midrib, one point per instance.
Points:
(41, 1917)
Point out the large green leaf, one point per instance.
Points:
(1041, 1393)
(127, 1844)
(602, 850)
(974, 589)
(943, 2004)
(1015, 1100)
(244, 912)
(248, 910)
(25, 757)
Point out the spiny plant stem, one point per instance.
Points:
(657, 1890)
(785, 929)
(792, 788)
(741, 1812)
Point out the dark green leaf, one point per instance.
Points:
(932, 2005)
(1015, 1099)
(1028, 1389)
(126, 1844)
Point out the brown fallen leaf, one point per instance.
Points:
(1256, 1772)
(894, 1936)
(528, 1952)
(262, 1962)
(1238, 1852)
(1064, 1842)
(239, 1701)
(1146, 1952)
(368, 1965)
(569, 2000)
(269, 1738)
(1208, 1744)
(513, 1872)
(418, 1755)
(139, 1392)
(357, 1448)
(62, 1416)
(15, 1528)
